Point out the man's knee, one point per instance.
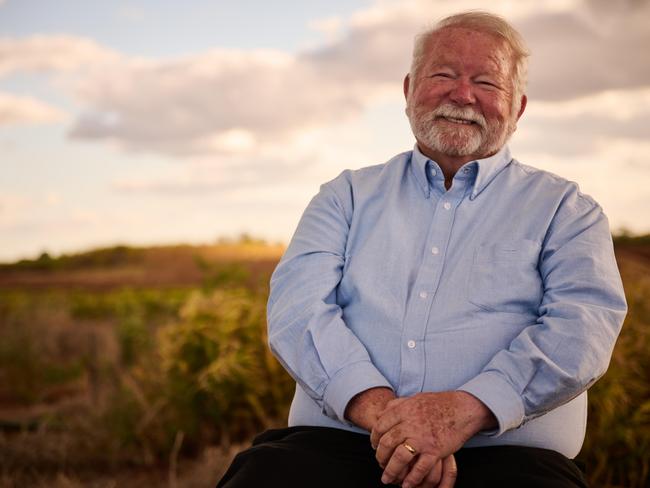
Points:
(516, 466)
(257, 466)
(306, 456)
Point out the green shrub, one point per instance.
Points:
(218, 368)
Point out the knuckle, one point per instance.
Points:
(384, 443)
(390, 471)
(420, 469)
(395, 434)
(420, 472)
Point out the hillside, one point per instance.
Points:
(120, 266)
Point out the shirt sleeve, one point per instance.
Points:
(580, 316)
(307, 332)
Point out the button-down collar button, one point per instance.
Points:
(465, 170)
(423, 294)
(433, 171)
(411, 344)
(447, 205)
(435, 250)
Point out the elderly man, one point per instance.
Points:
(452, 302)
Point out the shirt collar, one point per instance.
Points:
(485, 169)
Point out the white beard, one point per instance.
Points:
(458, 139)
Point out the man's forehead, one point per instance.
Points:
(445, 45)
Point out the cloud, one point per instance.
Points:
(228, 174)
(25, 110)
(331, 27)
(593, 48)
(60, 53)
(217, 101)
(576, 127)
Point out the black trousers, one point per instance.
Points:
(315, 457)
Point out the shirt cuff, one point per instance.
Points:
(499, 396)
(348, 382)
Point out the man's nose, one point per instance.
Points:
(462, 93)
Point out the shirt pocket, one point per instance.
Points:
(505, 277)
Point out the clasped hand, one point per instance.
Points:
(434, 425)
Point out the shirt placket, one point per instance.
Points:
(413, 360)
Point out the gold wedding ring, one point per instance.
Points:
(409, 448)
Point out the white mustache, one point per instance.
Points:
(459, 113)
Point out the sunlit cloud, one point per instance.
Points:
(16, 110)
(215, 102)
(618, 105)
(583, 125)
(52, 54)
(330, 27)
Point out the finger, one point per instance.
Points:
(384, 423)
(433, 478)
(449, 472)
(404, 471)
(387, 445)
(423, 467)
(398, 461)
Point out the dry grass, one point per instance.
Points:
(200, 472)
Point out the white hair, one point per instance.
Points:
(485, 22)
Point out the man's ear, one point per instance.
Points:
(407, 81)
(522, 107)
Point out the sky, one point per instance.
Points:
(155, 122)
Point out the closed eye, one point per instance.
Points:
(440, 75)
(487, 83)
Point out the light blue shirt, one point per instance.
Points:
(504, 286)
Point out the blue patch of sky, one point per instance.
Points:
(171, 28)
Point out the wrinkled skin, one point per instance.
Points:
(436, 425)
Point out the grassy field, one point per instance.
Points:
(149, 367)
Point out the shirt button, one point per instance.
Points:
(423, 294)
(447, 205)
(433, 171)
(435, 250)
(411, 344)
(466, 170)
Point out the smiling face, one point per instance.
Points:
(460, 100)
